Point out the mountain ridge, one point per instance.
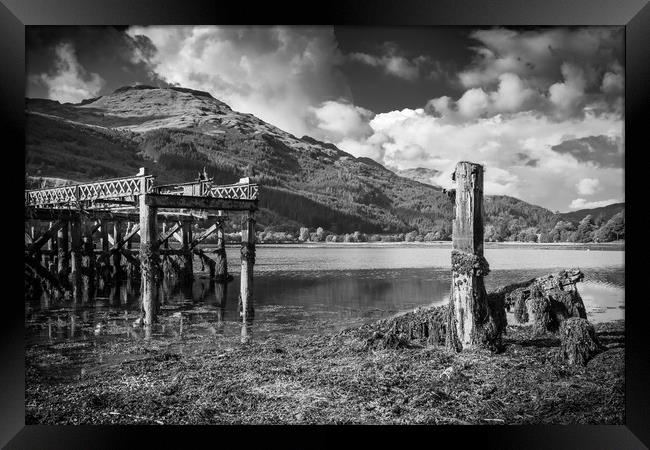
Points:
(176, 131)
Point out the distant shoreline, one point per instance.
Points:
(615, 246)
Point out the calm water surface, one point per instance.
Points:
(306, 289)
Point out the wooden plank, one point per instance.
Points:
(135, 230)
(169, 233)
(193, 202)
(204, 236)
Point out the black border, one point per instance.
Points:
(634, 14)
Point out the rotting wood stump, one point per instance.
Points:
(546, 301)
(578, 341)
(470, 321)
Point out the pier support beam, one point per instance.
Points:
(63, 259)
(75, 257)
(88, 264)
(221, 269)
(149, 260)
(117, 255)
(468, 308)
(246, 309)
(188, 269)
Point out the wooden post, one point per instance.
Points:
(149, 256)
(75, 257)
(164, 229)
(88, 263)
(468, 303)
(62, 249)
(188, 269)
(221, 272)
(117, 256)
(246, 309)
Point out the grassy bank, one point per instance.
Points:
(328, 379)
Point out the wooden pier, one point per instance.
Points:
(87, 232)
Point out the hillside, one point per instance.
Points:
(175, 132)
(604, 213)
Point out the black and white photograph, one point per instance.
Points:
(297, 224)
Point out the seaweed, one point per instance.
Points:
(469, 264)
(579, 343)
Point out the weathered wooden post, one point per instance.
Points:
(221, 272)
(63, 260)
(246, 309)
(149, 254)
(88, 263)
(188, 267)
(468, 308)
(75, 257)
(117, 256)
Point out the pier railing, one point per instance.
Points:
(120, 188)
(114, 188)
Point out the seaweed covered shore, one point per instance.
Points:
(333, 378)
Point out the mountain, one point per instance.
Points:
(604, 213)
(175, 132)
(419, 174)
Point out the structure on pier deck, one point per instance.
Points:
(68, 258)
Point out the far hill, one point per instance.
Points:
(175, 132)
(604, 213)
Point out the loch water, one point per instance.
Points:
(317, 288)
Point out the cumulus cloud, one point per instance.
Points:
(337, 120)
(518, 151)
(275, 73)
(538, 54)
(394, 63)
(568, 96)
(512, 94)
(560, 71)
(581, 203)
(69, 81)
(588, 186)
(473, 103)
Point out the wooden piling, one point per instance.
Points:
(88, 264)
(117, 256)
(75, 257)
(149, 257)
(468, 309)
(221, 267)
(63, 260)
(188, 266)
(246, 309)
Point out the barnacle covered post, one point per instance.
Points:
(468, 306)
(188, 265)
(75, 257)
(149, 254)
(220, 253)
(246, 309)
(63, 259)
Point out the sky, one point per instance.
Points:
(542, 108)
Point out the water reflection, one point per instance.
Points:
(302, 301)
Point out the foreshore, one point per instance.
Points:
(327, 379)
